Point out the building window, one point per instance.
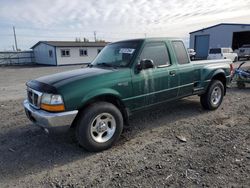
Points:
(99, 50)
(50, 53)
(83, 52)
(65, 53)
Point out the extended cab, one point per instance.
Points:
(126, 77)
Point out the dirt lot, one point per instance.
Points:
(149, 154)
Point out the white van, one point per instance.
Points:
(222, 53)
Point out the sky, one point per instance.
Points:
(113, 20)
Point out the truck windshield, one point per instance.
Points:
(215, 51)
(117, 54)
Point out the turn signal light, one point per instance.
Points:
(53, 108)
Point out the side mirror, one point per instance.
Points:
(145, 64)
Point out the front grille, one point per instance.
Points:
(34, 97)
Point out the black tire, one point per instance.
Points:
(85, 136)
(206, 99)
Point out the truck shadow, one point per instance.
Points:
(162, 115)
(27, 149)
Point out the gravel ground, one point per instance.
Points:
(149, 154)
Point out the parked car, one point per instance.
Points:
(222, 53)
(244, 52)
(191, 53)
(125, 77)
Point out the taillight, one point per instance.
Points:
(231, 69)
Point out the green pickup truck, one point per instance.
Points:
(125, 77)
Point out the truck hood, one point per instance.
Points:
(55, 79)
(51, 82)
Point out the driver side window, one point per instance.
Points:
(157, 52)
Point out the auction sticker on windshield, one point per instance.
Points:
(126, 50)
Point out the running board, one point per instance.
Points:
(198, 90)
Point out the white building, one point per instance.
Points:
(66, 52)
(220, 35)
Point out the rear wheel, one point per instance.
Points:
(212, 99)
(99, 126)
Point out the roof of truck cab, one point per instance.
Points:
(162, 38)
(149, 39)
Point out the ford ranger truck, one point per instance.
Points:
(125, 77)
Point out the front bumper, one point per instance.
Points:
(47, 119)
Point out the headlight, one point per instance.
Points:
(51, 102)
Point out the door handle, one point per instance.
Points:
(172, 73)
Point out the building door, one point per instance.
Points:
(240, 38)
(201, 46)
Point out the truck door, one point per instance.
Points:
(185, 69)
(155, 84)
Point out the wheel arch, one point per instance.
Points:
(107, 97)
(221, 77)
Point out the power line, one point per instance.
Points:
(72, 36)
(74, 30)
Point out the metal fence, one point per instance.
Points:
(12, 58)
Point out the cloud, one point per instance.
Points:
(47, 13)
(120, 19)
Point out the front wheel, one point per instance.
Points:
(212, 99)
(99, 126)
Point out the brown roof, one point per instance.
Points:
(71, 44)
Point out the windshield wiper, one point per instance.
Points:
(106, 65)
(90, 65)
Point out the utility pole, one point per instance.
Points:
(15, 37)
(95, 35)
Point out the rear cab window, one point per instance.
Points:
(215, 51)
(225, 50)
(180, 52)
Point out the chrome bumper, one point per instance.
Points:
(48, 120)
